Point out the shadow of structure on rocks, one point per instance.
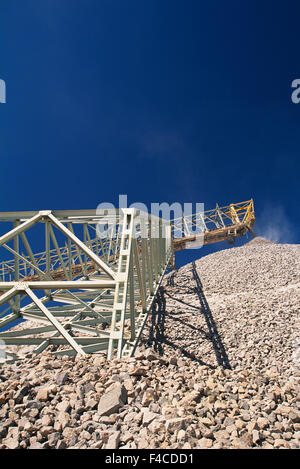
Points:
(213, 333)
(158, 338)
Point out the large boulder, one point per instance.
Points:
(113, 399)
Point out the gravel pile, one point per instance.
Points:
(235, 308)
(218, 368)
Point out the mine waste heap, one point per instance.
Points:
(87, 293)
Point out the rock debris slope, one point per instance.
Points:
(218, 368)
(236, 308)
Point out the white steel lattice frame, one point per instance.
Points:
(220, 224)
(241, 213)
(72, 291)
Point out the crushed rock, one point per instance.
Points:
(218, 367)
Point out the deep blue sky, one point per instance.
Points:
(163, 100)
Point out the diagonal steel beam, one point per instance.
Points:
(82, 246)
(55, 322)
(34, 266)
(20, 228)
(10, 293)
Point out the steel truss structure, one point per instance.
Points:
(92, 287)
(220, 224)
